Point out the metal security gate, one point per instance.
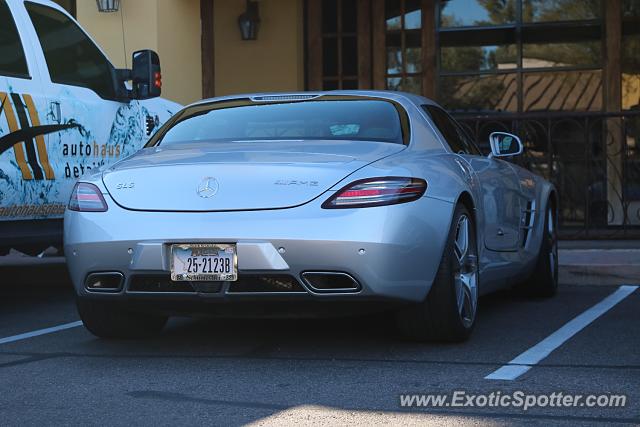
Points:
(592, 158)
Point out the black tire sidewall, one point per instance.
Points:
(543, 281)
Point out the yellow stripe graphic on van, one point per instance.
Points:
(42, 148)
(13, 127)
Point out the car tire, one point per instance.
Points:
(449, 311)
(107, 320)
(543, 281)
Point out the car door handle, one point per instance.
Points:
(500, 232)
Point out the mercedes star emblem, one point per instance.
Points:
(208, 187)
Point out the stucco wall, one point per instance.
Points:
(273, 62)
(179, 49)
(170, 27)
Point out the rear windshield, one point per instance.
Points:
(243, 120)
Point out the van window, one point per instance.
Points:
(12, 59)
(71, 56)
(69, 6)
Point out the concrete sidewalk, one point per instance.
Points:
(599, 266)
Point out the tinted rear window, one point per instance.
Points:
(363, 120)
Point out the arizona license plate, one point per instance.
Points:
(204, 262)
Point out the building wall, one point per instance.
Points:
(179, 49)
(170, 27)
(273, 62)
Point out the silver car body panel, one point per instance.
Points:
(276, 219)
(313, 239)
(248, 175)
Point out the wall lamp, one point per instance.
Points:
(108, 5)
(249, 21)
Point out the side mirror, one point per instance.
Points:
(505, 145)
(146, 76)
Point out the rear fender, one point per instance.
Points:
(547, 194)
(444, 176)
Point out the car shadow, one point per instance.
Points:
(358, 337)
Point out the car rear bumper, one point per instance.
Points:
(391, 252)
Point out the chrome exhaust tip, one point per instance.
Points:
(330, 282)
(104, 282)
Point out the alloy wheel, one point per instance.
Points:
(465, 271)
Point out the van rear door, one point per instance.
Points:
(96, 126)
(25, 169)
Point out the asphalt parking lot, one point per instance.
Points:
(338, 371)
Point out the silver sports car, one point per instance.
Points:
(302, 204)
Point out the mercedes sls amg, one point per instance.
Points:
(309, 203)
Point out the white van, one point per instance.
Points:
(64, 110)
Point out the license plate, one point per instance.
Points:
(204, 262)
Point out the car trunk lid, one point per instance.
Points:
(238, 175)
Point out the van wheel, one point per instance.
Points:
(449, 311)
(107, 320)
(543, 282)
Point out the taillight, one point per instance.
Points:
(87, 197)
(377, 192)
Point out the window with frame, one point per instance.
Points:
(403, 40)
(339, 44)
(13, 62)
(630, 58)
(520, 55)
(72, 58)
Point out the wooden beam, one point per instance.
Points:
(612, 72)
(429, 65)
(207, 47)
(314, 44)
(379, 44)
(612, 85)
(364, 44)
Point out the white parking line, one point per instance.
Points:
(39, 332)
(535, 354)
